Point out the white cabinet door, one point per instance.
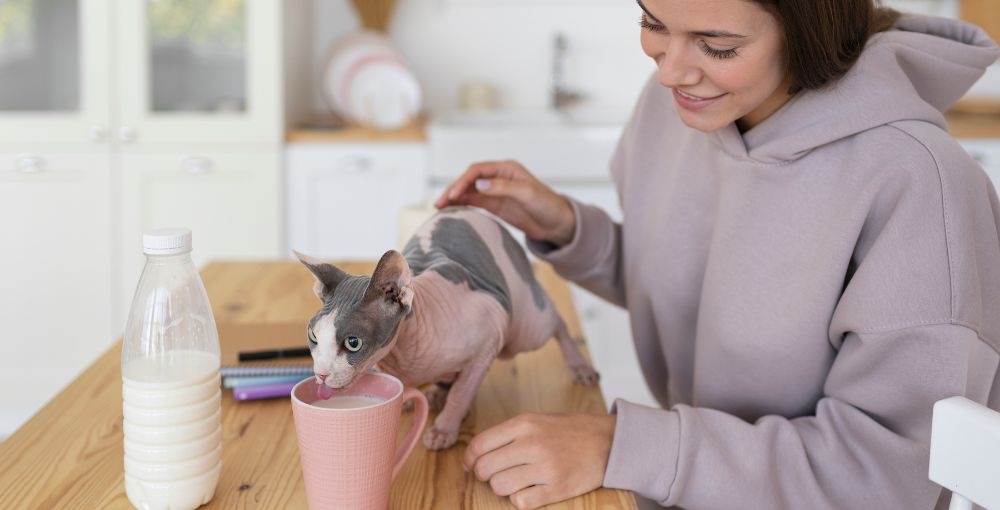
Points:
(54, 64)
(344, 199)
(55, 281)
(206, 71)
(229, 200)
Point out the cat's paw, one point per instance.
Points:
(585, 374)
(436, 397)
(439, 439)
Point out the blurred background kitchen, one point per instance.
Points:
(268, 125)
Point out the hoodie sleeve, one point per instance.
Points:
(593, 258)
(867, 446)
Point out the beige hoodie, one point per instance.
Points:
(801, 295)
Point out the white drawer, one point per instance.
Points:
(361, 159)
(344, 199)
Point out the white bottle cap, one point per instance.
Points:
(166, 241)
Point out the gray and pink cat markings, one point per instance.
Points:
(461, 294)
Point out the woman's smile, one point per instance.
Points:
(693, 102)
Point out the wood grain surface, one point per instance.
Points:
(69, 455)
(414, 132)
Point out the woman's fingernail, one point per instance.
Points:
(453, 193)
(482, 184)
(465, 468)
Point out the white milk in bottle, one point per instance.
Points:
(170, 382)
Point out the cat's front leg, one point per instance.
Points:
(444, 432)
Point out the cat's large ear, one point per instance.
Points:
(327, 276)
(390, 283)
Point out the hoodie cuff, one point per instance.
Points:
(593, 235)
(644, 452)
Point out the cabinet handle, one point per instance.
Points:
(127, 134)
(354, 164)
(29, 164)
(196, 165)
(98, 133)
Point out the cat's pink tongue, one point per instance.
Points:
(324, 391)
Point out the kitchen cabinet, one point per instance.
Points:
(344, 199)
(228, 196)
(55, 280)
(197, 71)
(117, 116)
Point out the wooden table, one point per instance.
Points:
(69, 455)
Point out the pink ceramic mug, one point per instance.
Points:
(349, 456)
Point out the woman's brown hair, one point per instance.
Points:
(824, 38)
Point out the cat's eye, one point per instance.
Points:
(312, 339)
(353, 343)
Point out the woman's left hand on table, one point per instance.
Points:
(538, 459)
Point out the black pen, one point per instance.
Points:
(274, 354)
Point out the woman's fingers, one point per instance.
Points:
(481, 170)
(513, 479)
(475, 171)
(534, 497)
(539, 459)
(499, 463)
(521, 191)
(495, 437)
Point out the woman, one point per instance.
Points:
(809, 262)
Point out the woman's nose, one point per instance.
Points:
(676, 68)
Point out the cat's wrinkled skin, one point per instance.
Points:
(463, 295)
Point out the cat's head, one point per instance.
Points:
(354, 328)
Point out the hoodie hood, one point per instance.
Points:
(916, 71)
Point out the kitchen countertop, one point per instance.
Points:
(69, 455)
(969, 120)
(966, 126)
(412, 132)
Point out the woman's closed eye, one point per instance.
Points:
(721, 54)
(646, 24)
(715, 52)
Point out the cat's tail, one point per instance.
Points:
(583, 371)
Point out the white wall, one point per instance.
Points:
(508, 45)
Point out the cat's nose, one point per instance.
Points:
(322, 377)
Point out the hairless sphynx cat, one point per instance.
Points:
(461, 294)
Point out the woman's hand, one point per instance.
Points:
(508, 190)
(538, 459)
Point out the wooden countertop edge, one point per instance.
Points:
(413, 132)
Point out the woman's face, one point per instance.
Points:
(723, 59)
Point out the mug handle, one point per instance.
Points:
(416, 427)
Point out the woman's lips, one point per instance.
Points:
(694, 103)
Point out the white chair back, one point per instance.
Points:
(965, 453)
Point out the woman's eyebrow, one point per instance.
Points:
(645, 10)
(721, 34)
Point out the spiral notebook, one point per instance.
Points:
(234, 338)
